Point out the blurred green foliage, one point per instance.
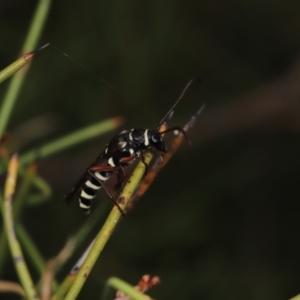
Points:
(222, 221)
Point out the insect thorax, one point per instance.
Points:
(146, 138)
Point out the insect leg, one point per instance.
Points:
(102, 168)
(145, 164)
(124, 162)
(106, 168)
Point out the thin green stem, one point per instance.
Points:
(37, 25)
(89, 224)
(79, 237)
(15, 66)
(30, 248)
(45, 191)
(127, 289)
(13, 242)
(17, 81)
(9, 100)
(71, 140)
(24, 190)
(18, 203)
(63, 288)
(29, 178)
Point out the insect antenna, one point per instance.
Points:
(171, 111)
(40, 49)
(176, 102)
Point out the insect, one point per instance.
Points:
(120, 153)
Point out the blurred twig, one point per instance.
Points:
(52, 264)
(11, 287)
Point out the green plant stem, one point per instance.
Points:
(45, 191)
(32, 251)
(29, 178)
(13, 242)
(16, 83)
(63, 288)
(23, 190)
(127, 289)
(15, 66)
(9, 100)
(37, 25)
(107, 229)
(30, 248)
(79, 237)
(37, 182)
(18, 202)
(71, 139)
(89, 224)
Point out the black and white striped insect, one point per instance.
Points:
(121, 152)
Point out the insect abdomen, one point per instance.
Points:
(90, 188)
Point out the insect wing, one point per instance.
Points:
(119, 142)
(68, 198)
(86, 176)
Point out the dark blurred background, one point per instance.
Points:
(222, 220)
